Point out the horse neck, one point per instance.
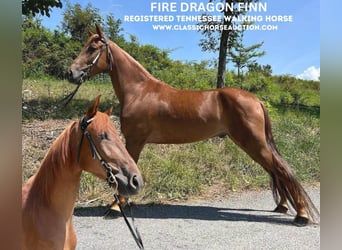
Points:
(56, 183)
(127, 74)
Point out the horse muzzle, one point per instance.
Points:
(76, 76)
(129, 185)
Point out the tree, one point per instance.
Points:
(35, 42)
(151, 57)
(225, 37)
(254, 67)
(77, 21)
(113, 30)
(241, 55)
(33, 7)
(45, 52)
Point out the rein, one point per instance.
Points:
(88, 68)
(111, 179)
(134, 231)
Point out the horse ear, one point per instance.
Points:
(109, 111)
(93, 109)
(98, 30)
(90, 33)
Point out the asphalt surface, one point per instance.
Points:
(242, 221)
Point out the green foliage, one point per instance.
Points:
(298, 133)
(45, 53)
(49, 53)
(256, 83)
(113, 30)
(76, 20)
(188, 76)
(257, 68)
(33, 7)
(242, 55)
(151, 57)
(279, 90)
(297, 92)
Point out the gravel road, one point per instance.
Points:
(242, 221)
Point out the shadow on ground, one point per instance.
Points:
(189, 212)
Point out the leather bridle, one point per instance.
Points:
(111, 179)
(86, 70)
(109, 59)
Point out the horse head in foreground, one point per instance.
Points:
(155, 112)
(48, 197)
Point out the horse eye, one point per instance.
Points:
(104, 136)
(91, 49)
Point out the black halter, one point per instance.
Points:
(111, 180)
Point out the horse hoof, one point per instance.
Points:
(300, 221)
(281, 209)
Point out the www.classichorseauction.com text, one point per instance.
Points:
(180, 15)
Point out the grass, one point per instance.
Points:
(176, 171)
(43, 99)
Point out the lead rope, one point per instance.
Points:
(133, 229)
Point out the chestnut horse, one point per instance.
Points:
(154, 112)
(48, 197)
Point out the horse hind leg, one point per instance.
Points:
(283, 186)
(278, 195)
(290, 186)
(294, 193)
(277, 185)
(254, 136)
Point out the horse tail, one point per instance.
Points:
(283, 179)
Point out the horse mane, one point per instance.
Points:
(59, 155)
(62, 146)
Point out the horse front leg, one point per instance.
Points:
(70, 239)
(134, 148)
(114, 211)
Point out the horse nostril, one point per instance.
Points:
(134, 183)
(70, 74)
